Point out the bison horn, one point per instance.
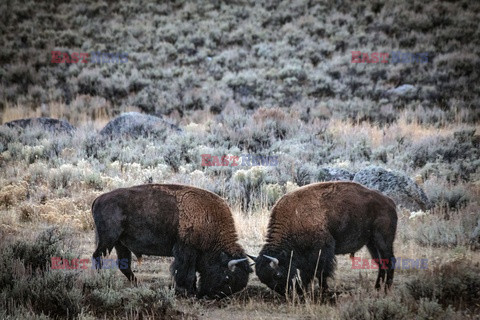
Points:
(252, 257)
(274, 260)
(232, 263)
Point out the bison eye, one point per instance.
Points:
(277, 275)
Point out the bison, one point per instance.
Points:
(312, 224)
(193, 225)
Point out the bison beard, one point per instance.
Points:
(192, 225)
(309, 226)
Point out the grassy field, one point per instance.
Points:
(269, 78)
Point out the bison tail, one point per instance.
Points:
(96, 237)
(96, 232)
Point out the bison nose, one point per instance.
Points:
(273, 261)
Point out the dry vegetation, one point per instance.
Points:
(271, 78)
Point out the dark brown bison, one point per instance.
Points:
(193, 225)
(312, 224)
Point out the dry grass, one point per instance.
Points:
(251, 229)
(266, 78)
(86, 110)
(380, 135)
(13, 194)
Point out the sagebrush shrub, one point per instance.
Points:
(455, 283)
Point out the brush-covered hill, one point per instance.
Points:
(187, 56)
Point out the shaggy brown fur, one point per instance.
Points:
(191, 224)
(331, 218)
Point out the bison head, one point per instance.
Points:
(222, 274)
(275, 269)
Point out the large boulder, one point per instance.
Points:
(136, 124)
(48, 124)
(403, 190)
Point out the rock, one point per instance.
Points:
(136, 124)
(48, 124)
(335, 174)
(405, 90)
(403, 190)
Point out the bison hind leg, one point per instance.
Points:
(384, 253)
(183, 269)
(124, 256)
(375, 253)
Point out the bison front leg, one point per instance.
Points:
(183, 269)
(326, 263)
